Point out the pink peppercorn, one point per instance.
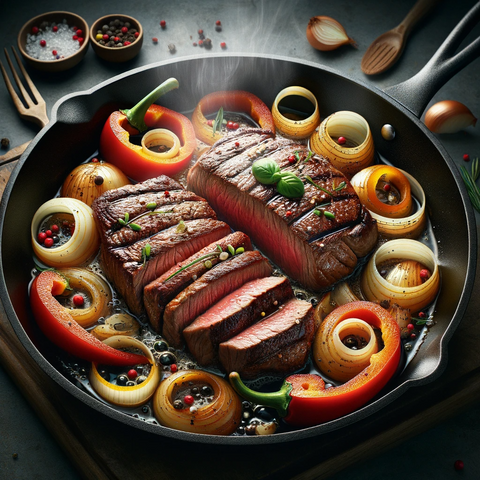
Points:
(81, 40)
(188, 399)
(41, 237)
(466, 157)
(48, 242)
(173, 368)
(34, 30)
(105, 37)
(410, 326)
(223, 45)
(55, 28)
(54, 52)
(155, 40)
(126, 43)
(291, 159)
(136, 34)
(79, 33)
(43, 43)
(341, 140)
(124, 29)
(458, 465)
(75, 37)
(218, 22)
(424, 274)
(163, 23)
(78, 300)
(132, 374)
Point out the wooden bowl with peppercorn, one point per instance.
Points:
(116, 37)
(54, 41)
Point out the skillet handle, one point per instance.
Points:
(416, 92)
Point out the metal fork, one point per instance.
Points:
(35, 111)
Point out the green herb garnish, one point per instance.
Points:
(336, 189)
(146, 250)
(217, 124)
(268, 172)
(472, 188)
(309, 156)
(125, 222)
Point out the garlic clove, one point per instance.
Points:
(325, 33)
(449, 116)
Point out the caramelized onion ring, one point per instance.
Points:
(82, 246)
(161, 136)
(126, 396)
(353, 127)
(378, 289)
(98, 291)
(219, 417)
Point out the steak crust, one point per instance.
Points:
(288, 231)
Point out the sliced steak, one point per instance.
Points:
(289, 231)
(212, 286)
(161, 291)
(127, 268)
(234, 313)
(278, 344)
(154, 205)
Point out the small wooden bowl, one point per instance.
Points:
(62, 63)
(116, 54)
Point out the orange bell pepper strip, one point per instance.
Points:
(139, 165)
(304, 401)
(62, 330)
(234, 101)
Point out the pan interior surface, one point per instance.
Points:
(73, 136)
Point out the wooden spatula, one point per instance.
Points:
(388, 47)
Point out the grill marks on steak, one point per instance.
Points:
(291, 240)
(234, 313)
(218, 282)
(161, 291)
(280, 343)
(125, 266)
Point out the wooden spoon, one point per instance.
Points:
(388, 47)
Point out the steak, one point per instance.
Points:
(212, 286)
(278, 344)
(234, 313)
(314, 249)
(161, 291)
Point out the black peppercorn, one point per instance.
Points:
(5, 142)
(98, 180)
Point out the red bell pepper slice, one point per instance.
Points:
(303, 400)
(234, 101)
(116, 148)
(61, 329)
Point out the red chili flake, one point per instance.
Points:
(200, 42)
(78, 300)
(124, 30)
(74, 28)
(75, 37)
(458, 465)
(223, 45)
(155, 40)
(173, 367)
(466, 157)
(163, 23)
(422, 315)
(188, 400)
(43, 43)
(34, 30)
(410, 326)
(41, 237)
(387, 187)
(288, 213)
(55, 28)
(424, 274)
(218, 22)
(132, 374)
(341, 140)
(48, 242)
(167, 193)
(291, 158)
(55, 228)
(54, 52)
(79, 32)
(237, 144)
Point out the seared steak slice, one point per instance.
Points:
(158, 293)
(167, 202)
(212, 286)
(129, 271)
(291, 232)
(280, 343)
(234, 313)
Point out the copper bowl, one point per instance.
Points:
(53, 65)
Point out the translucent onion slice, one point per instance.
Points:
(295, 128)
(355, 129)
(90, 180)
(161, 136)
(338, 361)
(409, 226)
(126, 396)
(220, 417)
(82, 246)
(378, 289)
(117, 324)
(98, 291)
(341, 294)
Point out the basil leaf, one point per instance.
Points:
(264, 170)
(290, 185)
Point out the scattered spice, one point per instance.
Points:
(5, 142)
(223, 45)
(155, 40)
(466, 157)
(163, 23)
(458, 465)
(172, 48)
(116, 33)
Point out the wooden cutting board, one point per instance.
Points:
(102, 448)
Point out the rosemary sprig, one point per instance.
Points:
(472, 188)
(335, 189)
(217, 124)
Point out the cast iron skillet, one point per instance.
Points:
(73, 135)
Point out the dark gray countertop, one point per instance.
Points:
(267, 27)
